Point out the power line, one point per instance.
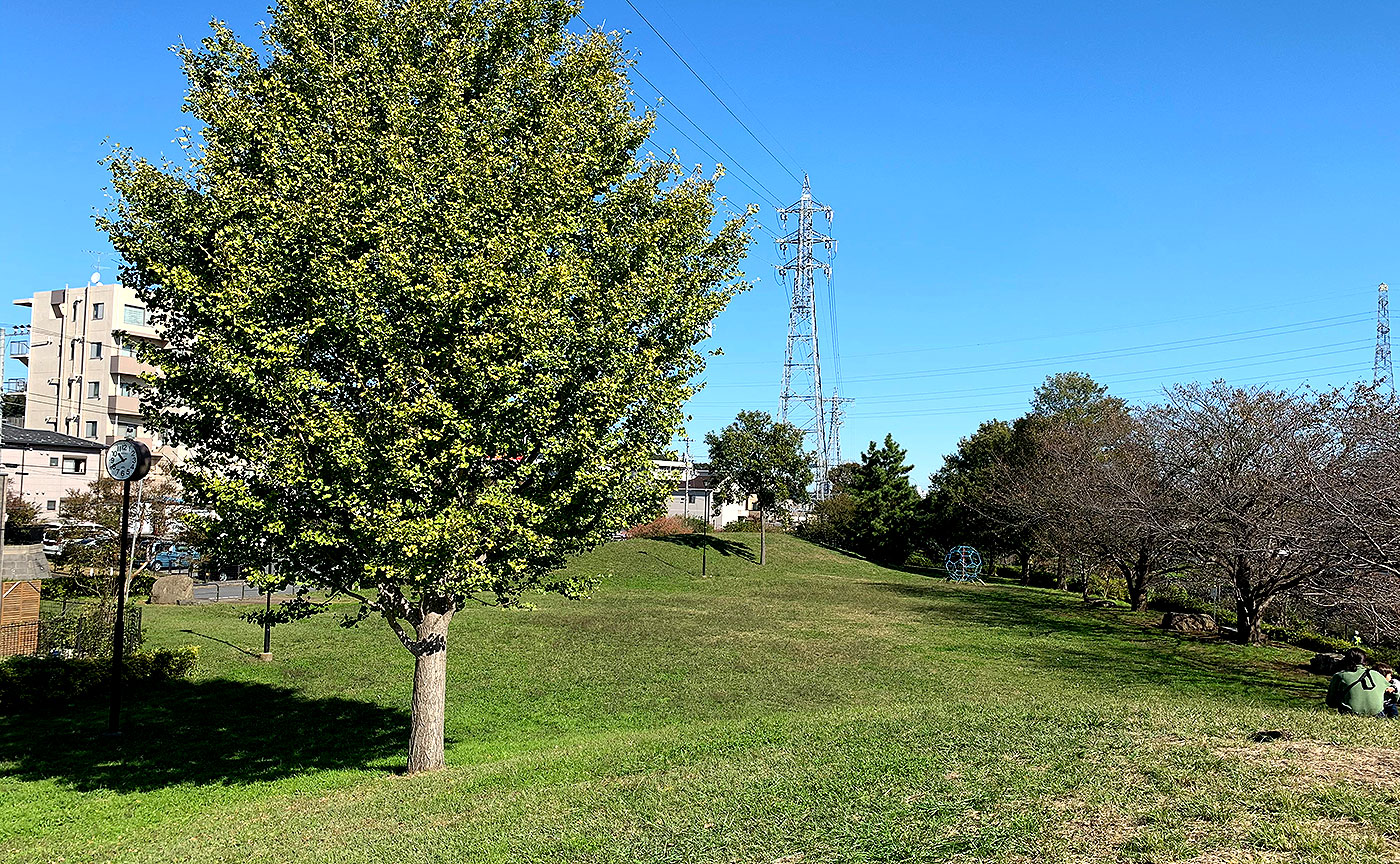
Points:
(1330, 349)
(758, 118)
(772, 198)
(1116, 353)
(1040, 337)
(960, 409)
(711, 90)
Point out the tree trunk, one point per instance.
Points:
(425, 736)
(762, 538)
(1138, 578)
(1061, 578)
(1025, 557)
(1250, 612)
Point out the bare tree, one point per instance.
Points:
(1123, 498)
(1245, 467)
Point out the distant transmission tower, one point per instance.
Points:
(837, 415)
(1384, 374)
(803, 404)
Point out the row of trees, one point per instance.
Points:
(1261, 493)
(1271, 493)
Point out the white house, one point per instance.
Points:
(694, 491)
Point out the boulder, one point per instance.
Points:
(1326, 663)
(173, 590)
(1189, 622)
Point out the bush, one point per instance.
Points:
(667, 526)
(33, 682)
(1308, 639)
(743, 526)
(1174, 598)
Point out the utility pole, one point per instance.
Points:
(1384, 374)
(803, 404)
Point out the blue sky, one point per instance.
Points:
(1148, 192)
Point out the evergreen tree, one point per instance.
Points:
(885, 505)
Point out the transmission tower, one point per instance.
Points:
(803, 404)
(834, 425)
(1384, 374)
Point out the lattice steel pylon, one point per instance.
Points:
(834, 428)
(803, 404)
(1384, 374)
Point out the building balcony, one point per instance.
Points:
(16, 385)
(19, 350)
(129, 405)
(124, 365)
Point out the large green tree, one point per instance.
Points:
(756, 456)
(962, 505)
(428, 312)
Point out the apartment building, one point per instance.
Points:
(81, 375)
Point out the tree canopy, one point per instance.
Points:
(756, 456)
(429, 307)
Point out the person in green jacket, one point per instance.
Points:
(1357, 690)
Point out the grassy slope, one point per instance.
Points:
(818, 707)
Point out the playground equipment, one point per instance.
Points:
(963, 564)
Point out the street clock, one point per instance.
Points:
(128, 459)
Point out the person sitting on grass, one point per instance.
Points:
(1392, 690)
(1356, 689)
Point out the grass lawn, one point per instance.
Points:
(819, 708)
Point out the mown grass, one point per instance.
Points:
(819, 708)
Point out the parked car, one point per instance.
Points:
(53, 543)
(177, 556)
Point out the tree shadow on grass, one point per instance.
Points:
(237, 648)
(1056, 631)
(714, 544)
(201, 733)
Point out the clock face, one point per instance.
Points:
(123, 459)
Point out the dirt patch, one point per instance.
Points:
(1089, 833)
(1320, 761)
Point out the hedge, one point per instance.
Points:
(31, 682)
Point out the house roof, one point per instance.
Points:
(20, 438)
(25, 562)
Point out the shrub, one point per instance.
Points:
(668, 526)
(1309, 640)
(748, 526)
(32, 682)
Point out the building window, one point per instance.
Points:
(129, 431)
(126, 347)
(53, 461)
(134, 315)
(97, 351)
(126, 388)
(99, 311)
(92, 429)
(74, 464)
(50, 505)
(94, 389)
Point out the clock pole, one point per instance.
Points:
(119, 638)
